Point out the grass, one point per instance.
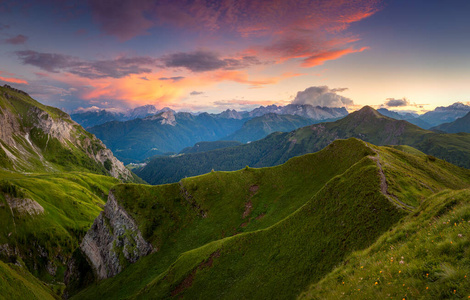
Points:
(71, 202)
(425, 257)
(270, 232)
(17, 283)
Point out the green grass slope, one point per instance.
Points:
(426, 256)
(43, 241)
(17, 283)
(270, 232)
(366, 124)
(179, 217)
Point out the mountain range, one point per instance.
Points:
(170, 132)
(460, 125)
(366, 124)
(445, 114)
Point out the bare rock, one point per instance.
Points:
(24, 206)
(113, 241)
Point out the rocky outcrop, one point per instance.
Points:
(24, 206)
(113, 241)
(165, 118)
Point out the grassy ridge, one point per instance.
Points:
(279, 262)
(71, 201)
(303, 218)
(425, 257)
(171, 216)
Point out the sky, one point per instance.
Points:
(209, 55)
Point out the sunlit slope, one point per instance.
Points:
(293, 223)
(425, 257)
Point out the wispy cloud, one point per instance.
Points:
(17, 40)
(115, 68)
(174, 78)
(201, 61)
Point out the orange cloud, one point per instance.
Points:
(242, 77)
(134, 91)
(320, 58)
(13, 80)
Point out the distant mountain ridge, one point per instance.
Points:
(460, 125)
(445, 114)
(170, 132)
(416, 120)
(366, 124)
(166, 132)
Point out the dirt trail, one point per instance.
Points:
(384, 185)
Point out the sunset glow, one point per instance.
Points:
(197, 54)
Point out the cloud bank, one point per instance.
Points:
(115, 68)
(392, 102)
(322, 96)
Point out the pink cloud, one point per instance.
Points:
(319, 58)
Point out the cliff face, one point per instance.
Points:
(113, 241)
(31, 135)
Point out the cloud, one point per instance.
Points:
(17, 40)
(144, 78)
(87, 109)
(174, 79)
(322, 96)
(319, 58)
(195, 93)
(4, 26)
(116, 68)
(13, 80)
(201, 61)
(391, 102)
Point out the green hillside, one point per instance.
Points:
(425, 257)
(54, 181)
(208, 146)
(43, 217)
(17, 283)
(271, 232)
(366, 124)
